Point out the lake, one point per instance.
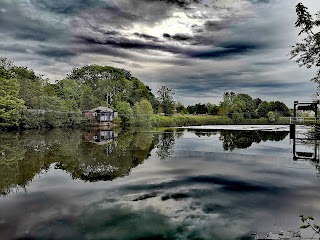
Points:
(137, 184)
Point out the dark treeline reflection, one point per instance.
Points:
(96, 155)
(244, 139)
(90, 156)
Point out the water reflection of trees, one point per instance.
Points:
(115, 159)
(244, 139)
(24, 156)
(165, 146)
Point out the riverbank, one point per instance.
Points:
(52, 120)
(196, 120)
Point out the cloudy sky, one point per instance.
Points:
(200, 48)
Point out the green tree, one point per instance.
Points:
(245, 104)
(125, 113)
(271, 117)
(69, 91)
(280, 108)
(257, 102)
(212, 109)
(226, 106)
(87, 99)
(31, 87)
(237, 103)
(143, 113)
(180, 108)
(11, 105)
(166, 98)
(237, 117)
(307, 52)
(263, 109)
(109, 85)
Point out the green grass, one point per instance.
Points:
(198, 120)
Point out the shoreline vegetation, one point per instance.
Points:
(29, 101)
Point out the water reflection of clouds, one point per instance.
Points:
(197, 192)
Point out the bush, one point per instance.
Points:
(237, 117)
(143, 113)
(49, 119)
(189, 120)
(271, 117)
(125, 113)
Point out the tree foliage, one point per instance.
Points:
(143, 113)
(10, 104)
(108, 86)
(240, 104)
(166, 98)
(59, 104)
(307, 52)
(125, 113)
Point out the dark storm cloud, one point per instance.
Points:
(216, 25)
(146, 36)
(179, 3)
(18, 25)
(227, 51)
(165, 34)
(67, 7)
(178, 37)
(181, 37)
(55, 52)
(260, 1)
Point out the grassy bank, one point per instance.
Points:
(195, 120)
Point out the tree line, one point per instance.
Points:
(240, 106)
(28, 100)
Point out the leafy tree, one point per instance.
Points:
(263, 109)
(6, 63)
(212, 109)
(227, 104)
(125, 113)
(271, 117)
(109, 86)
(280, 108)
(257, 102)
(237, 117)
(87, 100)
(143, 113)
(192, 109)
(245, 104)
(307, 52)
(31, 87)
(237, 103)
(201, 108)
(166, 98)
(11, 105)
(69, 91)
(180, 108)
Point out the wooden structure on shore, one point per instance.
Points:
(305, 106)
(299, 120)
(101, 116)
(310, 140)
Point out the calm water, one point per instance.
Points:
(67, 184)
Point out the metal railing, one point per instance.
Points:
(303, 120)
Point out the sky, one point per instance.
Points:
(199, 48)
